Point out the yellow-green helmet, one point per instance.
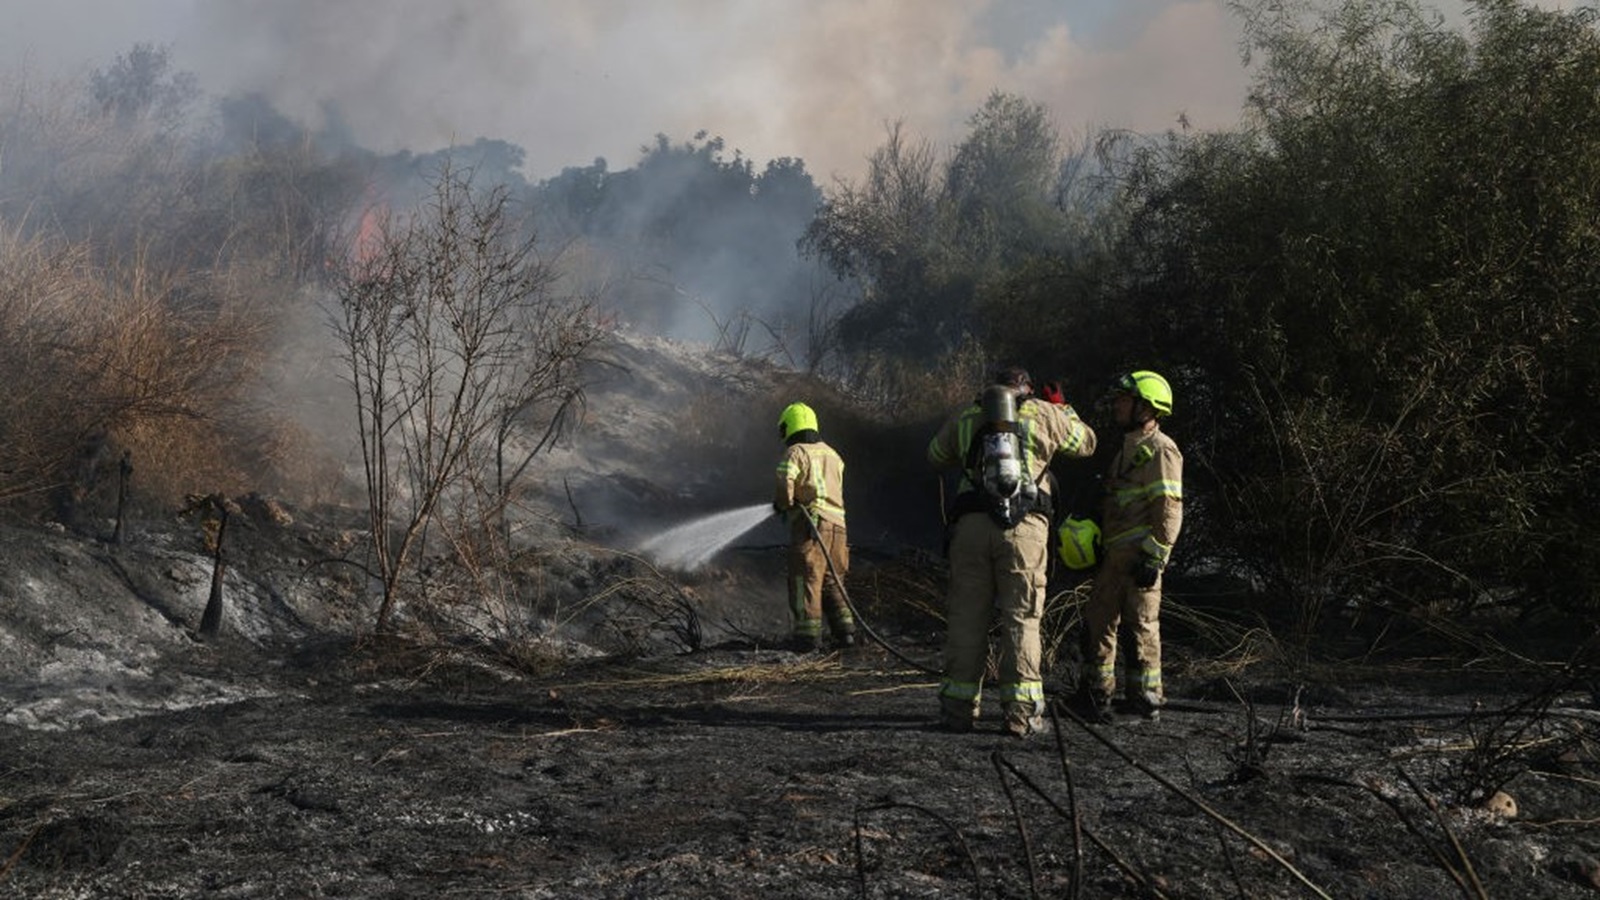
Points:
(796, 417)
(1078, 543)
(1149, 386)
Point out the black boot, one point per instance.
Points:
(1092, 707)
(1145, 706)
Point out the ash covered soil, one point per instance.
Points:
(282, 759)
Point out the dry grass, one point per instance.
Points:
(120, 358)
(907, 591)
(787, 672)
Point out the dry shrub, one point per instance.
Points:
(1061, 627)
(123, 358)
(905, 391)
(901, 594)
(719, 417)
(41, 423)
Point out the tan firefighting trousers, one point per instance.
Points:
(994, 572)
(1115, 603)
(813, 590)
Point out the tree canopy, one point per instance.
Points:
(1376, 296)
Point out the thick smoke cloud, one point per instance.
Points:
(571, 80)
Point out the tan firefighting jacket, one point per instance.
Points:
(1144, 495)
(1046, 429)
(811, 477)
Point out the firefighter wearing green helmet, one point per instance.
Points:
(810, 497)
(1141, 515)
(999, 544)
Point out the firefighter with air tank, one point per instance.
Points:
(999, 538)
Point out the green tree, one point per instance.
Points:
(1380, 295)
(697, 242)
(1000, 181)
(884, 234)
(926, 241)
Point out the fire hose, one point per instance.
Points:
(860, 620)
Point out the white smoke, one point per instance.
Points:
(572, 80)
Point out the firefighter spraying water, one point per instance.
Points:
(809, 495)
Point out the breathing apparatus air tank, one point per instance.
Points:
(1002, 464)
(1002, 476)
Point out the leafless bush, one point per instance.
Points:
(656, 607)
(92, 159)
(456, 344)
(1061, 628)
(142, 286)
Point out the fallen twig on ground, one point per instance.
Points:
(1127, 868)
(1072, 804)
(1406, 820)
(1201, 805)
(1000, 767)
(861, 865)
(1466, 877)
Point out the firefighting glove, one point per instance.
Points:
(1146, 572)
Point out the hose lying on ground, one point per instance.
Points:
(876, 638)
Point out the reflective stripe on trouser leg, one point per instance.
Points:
(960, 698)
(827, 583)
(803, 625)
(968, 607)
(1102, 616)
(1030, 693)
(1142, 616)
(1019, 561)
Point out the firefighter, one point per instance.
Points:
(999, 541)
(810, 497)
(1141, 514)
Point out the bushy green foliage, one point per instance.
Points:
(1386, 285)
(923, 238)
(1376, 297)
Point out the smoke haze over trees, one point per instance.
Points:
(573, 81)
(697, 244)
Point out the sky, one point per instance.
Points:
(573, 80)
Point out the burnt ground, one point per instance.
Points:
(314, 765)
